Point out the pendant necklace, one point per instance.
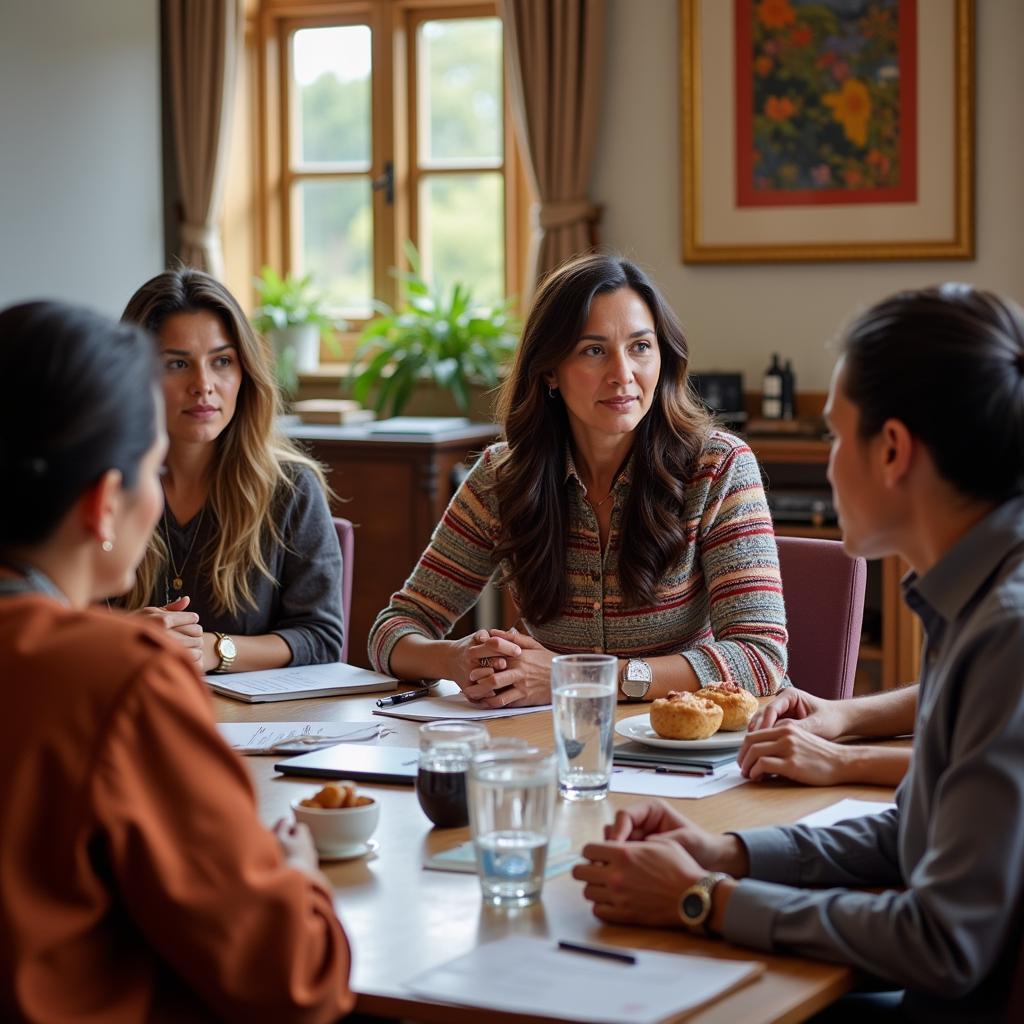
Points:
(177, 582)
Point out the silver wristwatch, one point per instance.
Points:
(695, 903)
(637, 677)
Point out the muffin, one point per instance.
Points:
(685, 716)
(738, 705)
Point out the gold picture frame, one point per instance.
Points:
(938, 224)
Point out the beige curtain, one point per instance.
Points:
(203, 41)
(554, 54)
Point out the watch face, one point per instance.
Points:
(693, 906)
(226, 647)
(638, 671)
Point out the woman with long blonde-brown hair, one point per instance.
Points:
(244, 567)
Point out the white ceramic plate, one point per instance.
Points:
(639, 728)
(350, 852)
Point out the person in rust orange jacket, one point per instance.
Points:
(138, 884)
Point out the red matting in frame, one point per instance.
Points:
(747, 195)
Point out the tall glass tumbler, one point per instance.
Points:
(511, 805)
(584, 689)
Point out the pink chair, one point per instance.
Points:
(347, 542)
(824, 594)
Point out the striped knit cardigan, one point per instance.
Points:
(720, 606)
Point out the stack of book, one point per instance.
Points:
(682, 762)
(334, 411)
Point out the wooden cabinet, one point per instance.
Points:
(395, 489)
(891, 644)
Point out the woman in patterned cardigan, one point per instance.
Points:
(619, 517)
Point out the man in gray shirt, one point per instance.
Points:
(927, 410)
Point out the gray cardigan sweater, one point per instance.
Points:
(302, 604)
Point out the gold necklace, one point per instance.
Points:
(596, 505)
(177, 582)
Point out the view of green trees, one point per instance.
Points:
(461, 230)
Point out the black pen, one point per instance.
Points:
(401, 698)
(670, 769)
(609, 954)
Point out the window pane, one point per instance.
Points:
(333, 237)
(462, 232)
(460, 101)
(331, 95)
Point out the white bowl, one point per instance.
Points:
(339, 830)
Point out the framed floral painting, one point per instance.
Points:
(827, 130)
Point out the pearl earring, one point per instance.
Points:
(107, 545)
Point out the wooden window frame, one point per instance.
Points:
(393, 24)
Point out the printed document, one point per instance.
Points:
(528, 975)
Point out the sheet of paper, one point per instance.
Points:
(302, 679)
(683, 787)
(842, 810)
(278, 737)
(521, 974)
(462, 858)
(446, 702)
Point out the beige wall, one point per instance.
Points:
(80, 184)
(737, 315)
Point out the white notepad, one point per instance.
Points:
(528, 975)
(445, 703)
(842, 810)
(648, 782)
(303, 681)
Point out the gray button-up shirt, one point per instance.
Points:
(951, 855)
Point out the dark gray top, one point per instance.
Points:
(303, 606)
(952, 853)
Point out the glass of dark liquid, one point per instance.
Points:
(446, 749)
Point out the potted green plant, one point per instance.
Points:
(437, 334)
(292, 318)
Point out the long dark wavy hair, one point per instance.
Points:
(530, 473)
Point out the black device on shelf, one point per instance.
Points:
(722, 393)
(802, 506)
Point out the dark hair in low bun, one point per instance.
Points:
(949, 363)
(80, 400)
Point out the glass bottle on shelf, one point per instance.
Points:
(788, 391)
(771, 390)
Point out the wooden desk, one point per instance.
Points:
(395, 490)
(403, 920)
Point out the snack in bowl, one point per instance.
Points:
(336, 794)
(340, 820)
(738, 705)
(685, 716)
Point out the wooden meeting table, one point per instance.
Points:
(402, 919)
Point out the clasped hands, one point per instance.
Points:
(502, 668)
(184, 626)
(650, 856)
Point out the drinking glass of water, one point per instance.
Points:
(511, 803)
(446, 748)
(584, 688)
